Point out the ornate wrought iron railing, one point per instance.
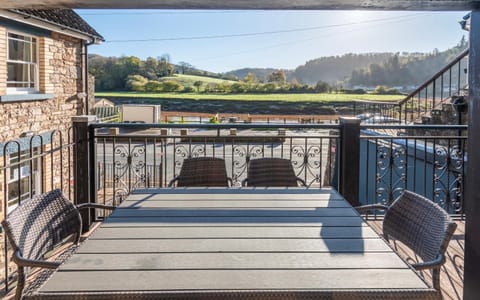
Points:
(150, 156)
(420, 160)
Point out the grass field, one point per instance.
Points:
(188, 80)
(256, 97)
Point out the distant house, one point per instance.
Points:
(104, 102)
(43, 83)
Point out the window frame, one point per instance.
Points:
(24, 164)
(36, 64)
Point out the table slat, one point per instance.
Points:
(234, 232)
(237, 212)
(140, 221)
(234, 280)
(234, 245)
(235, 204)
(235, 260)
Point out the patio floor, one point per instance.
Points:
(451, 278)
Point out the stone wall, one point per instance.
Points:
(60, 74)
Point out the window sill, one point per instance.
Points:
(25, 97)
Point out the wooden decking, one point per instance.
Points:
(451, 279)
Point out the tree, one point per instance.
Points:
(150, 68)
(250, 78)
(165, 68)
(198, 84)
(184, 66)
(277, 77)
(322, 87)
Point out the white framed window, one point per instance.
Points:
(23, 177)
(22, 63)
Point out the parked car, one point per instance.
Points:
(381, 120)
(364, 116)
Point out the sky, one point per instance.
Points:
(221, 41)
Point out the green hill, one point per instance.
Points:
(189, 80)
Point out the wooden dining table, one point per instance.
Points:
(236, 243)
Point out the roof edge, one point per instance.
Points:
(33, 20)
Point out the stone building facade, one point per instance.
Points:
(43, 84)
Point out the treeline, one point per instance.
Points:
(405, 70)
(130, 72)
(324, 74)
(111, 73)
(367, 69)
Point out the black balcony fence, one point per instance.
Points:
(103, 163)
(33, 164)
(144, 156)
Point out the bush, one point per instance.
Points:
(153, 86)
(384, 90)
(171, 86)
(188, 89)
(353, 91)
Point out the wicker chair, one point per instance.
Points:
(202, 172)
(421, 225)
(38, 226)
(277, 172)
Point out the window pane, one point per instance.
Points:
(14, 192)
(18, 73)
(34, 50)
(20, 174)
(19, 51)
(32, 76)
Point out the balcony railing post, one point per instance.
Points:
(84, 181)
(471, 288)
(349, 159)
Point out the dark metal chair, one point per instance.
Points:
(202, 172)
(421, 225)
(38, 226)
(271, 171)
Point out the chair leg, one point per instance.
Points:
(436, 278)
(20, 283)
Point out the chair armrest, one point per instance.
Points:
(366, 208)
(244, 182)
(170, 184)
(440, 260)
(95, 205)
(20, 261)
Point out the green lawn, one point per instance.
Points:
(188, 80)
(256, 97)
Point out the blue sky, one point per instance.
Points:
(221, 41)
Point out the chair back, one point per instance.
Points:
(203, 171)
(40, 223)
(420, 224)
(274, 172)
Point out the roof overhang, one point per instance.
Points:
(37, 22)
(431, 5)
